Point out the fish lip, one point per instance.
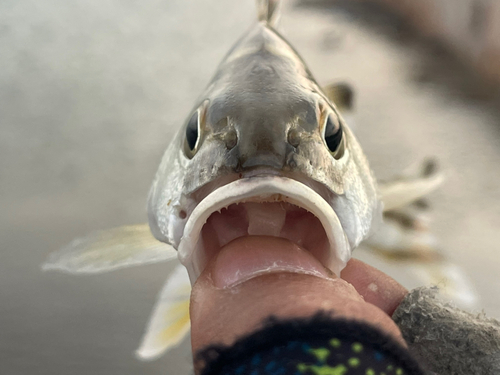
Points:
(263, 189)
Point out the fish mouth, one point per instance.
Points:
(263, 206)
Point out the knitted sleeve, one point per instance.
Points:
(316, 346)
(446, 340)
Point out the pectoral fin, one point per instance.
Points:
(169, 322)
(108, 250)
(405, 190)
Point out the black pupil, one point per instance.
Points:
(192, 131)
(333, 134)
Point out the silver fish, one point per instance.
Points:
(263, 131)
(263, 145)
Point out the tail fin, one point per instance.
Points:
(267, 11)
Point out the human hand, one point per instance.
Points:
(253, 278)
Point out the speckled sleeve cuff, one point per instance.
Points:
(448, 341)
(317, 346)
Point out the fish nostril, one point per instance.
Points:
(294, 137)
(230, 139)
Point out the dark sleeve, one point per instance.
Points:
(447, 340)
(320, 345)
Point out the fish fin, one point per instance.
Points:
(267, 11)
(407, 189)
(404, 235)
(107, 250)
(341, 94)
(169, 322)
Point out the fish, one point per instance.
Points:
(264, 151)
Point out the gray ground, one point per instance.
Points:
(90, 93)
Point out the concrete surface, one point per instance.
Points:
(90, 94)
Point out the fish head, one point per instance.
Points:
(266, 148)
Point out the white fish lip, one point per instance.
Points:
(259, 188)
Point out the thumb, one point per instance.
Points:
(253, 278)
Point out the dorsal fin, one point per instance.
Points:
(267, 11)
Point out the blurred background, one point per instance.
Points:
(92, 91)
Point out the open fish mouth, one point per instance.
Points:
(263, 206)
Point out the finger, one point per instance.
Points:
(223, 310)
(375, 286)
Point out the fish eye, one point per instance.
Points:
(193, 134)
(333, 135)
